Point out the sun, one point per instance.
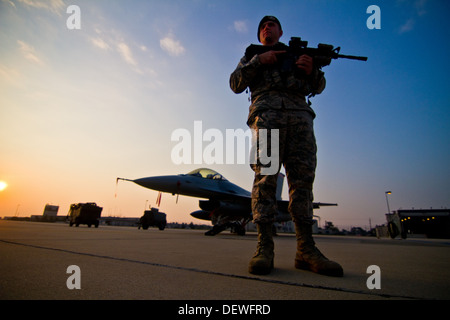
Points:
(3, 185)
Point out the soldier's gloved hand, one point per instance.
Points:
(269, 57)
(305, 63)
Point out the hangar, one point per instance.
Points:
(434, 223)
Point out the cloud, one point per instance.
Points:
(10, 75)
(126, 53)
(418, 10)
(55, 6)
(113, 40)
(240, 26)
(29, 53)
(172, 46)
(407, 26)
(100, 43)
(419, 5)
(10, 3)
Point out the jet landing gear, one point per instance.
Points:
(235, 227)
(238, 228)
(215, 230)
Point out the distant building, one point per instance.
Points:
(50, 214)
(433, 223)
(50, 210)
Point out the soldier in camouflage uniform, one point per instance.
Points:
(278, 102)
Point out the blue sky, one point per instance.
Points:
(79, 108)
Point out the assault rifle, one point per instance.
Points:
(321, 55)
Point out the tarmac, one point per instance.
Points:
(124, 263)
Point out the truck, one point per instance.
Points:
(84, 213)
(154, 218)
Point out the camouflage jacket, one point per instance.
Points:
(272, 90)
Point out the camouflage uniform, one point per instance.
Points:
(278, 102)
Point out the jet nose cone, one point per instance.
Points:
(161, 183)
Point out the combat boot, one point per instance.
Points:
(308, 257)
(262, 261)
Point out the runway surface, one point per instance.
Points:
(127, 263)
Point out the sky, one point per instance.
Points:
(83, 101)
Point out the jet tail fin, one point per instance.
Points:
(280, 182)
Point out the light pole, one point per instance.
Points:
(387, 201)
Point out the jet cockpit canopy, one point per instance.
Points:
(206, 174)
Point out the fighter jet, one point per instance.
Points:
(227, 205)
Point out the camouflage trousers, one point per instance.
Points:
(297, 153)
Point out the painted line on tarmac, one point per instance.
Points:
(229, 275)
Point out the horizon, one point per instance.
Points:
(80, 107)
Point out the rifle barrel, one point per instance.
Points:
(352, 57)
